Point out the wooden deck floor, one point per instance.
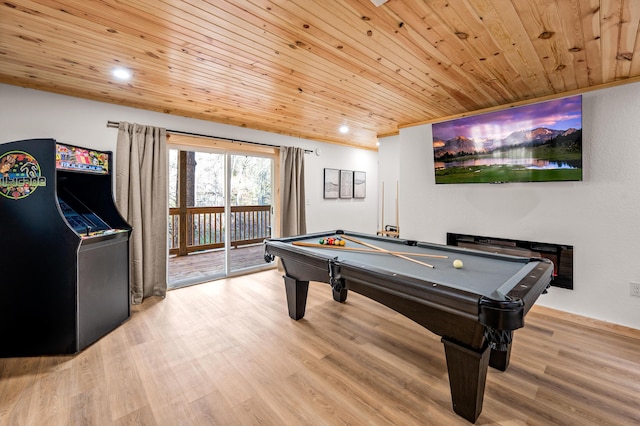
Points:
(199, 267)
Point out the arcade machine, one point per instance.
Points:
(64, 249)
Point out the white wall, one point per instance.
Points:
(599, 216)
(27, 114)
(347, 214)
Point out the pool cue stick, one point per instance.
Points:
(363, 250)
(382, 225)
(355, 240)
(397, 209)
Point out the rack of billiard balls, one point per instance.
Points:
(331, 241)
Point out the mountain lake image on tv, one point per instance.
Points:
(540, 142)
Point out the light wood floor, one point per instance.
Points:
(226, 353)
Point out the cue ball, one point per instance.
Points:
(457, 264)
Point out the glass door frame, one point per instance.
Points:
(229, 209)
(228, 149)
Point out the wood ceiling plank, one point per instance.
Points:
(540, 21)
(573, 40)
(506, 28)
(348, 62)
(349, 25)
(628, 50)
(301, 64)
(610, 34)
(425, 28)
(590, 17)
(478, 51)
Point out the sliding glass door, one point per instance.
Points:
(250, 183)
(220, 213)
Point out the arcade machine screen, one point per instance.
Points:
(81, 219)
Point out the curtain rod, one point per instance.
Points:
(115, 124)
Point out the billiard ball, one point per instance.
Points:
(457, 264)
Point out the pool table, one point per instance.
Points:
(474, 308)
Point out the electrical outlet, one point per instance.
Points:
(635, 289)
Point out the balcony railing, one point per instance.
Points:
(194, 229)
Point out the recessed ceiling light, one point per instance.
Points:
(344, 129)
(122, 73)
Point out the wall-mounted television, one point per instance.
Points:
(540, 142)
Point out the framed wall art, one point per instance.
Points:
(331, 183)
(359, 184)
(346, 184)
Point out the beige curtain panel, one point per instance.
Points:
(293, 214)
(141, 197)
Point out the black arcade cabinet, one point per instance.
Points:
(64, 249)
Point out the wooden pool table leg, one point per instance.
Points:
(467, 377)
(296, 296)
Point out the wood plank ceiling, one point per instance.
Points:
(305, 67)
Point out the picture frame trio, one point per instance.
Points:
(344, 184)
